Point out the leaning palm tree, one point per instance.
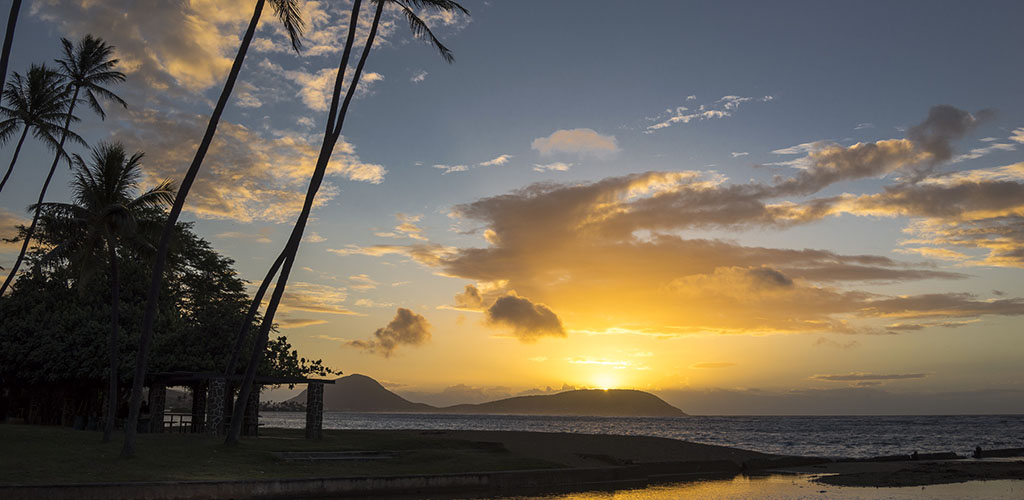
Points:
(87, 68)
(290, 17)
(5, 56)
(103, 217)
(335, 122)
(36, 103)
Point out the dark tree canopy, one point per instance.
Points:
(56, 318)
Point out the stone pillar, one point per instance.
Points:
(157, 403)
(250, 424)
(314, 410)
(198, 406)
(215, 405)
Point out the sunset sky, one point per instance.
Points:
(744, 207)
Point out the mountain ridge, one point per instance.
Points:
(363, 394)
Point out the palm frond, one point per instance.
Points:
(421, 30)
(290, 15)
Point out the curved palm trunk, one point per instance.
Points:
(243, 331)
(153, 295)
(12, 20)
(42, 194)
(330, 139)
(115, 313)
(14, 159)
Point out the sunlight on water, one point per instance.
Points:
(778, 487)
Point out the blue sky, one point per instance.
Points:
(428, 195)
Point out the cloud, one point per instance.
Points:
(428, 254)
(407, 328)
(316, 298)
(469, 299)
(418, 76)
(863, 126)
(552, 167)
(722, 108)
(313, 237)
(824, 342)
(246, 175)
(405, 229)
(286, 322)
(580, 141)
(448, 169)
(737, 155)
(262, 236)
(363, 282)
(864, 377)
(527, 320)
(500, 160)
(711, 365)
(944, 125)
(1017, 135)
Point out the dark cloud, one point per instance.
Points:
(407, 328)
(470, 298)
(527, 320)
(944, 125)
(957, 305)
(863, 377)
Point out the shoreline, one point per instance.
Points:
(393, 462)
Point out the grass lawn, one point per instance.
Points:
(58, 455)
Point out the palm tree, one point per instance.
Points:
(36, 102)
(12, 21)
(331, 135)
(289, 15)
(104, 215)
(87, 67)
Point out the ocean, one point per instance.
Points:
(853, 437)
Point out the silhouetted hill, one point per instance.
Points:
(360, 393)
(594, 402)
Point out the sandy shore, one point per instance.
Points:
(600, 450)
(912, 473)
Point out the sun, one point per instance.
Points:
(605, 381)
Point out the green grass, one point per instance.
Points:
(57, 455)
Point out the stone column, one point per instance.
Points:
(198, 406)
(314, 410)
(252, 412)
(157, 403)
(215, 405)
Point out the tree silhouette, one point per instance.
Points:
(331, 135)
(289, 15)
(5, 57)
(37, 102)
(104, 215)
(87, 67)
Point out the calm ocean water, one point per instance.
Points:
(815, 436)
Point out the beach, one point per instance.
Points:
(61, 463)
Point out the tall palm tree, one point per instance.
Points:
(330, 139)
(104, 215)
(12, 21)
(291, 18)
(87, 68)
(37, 103)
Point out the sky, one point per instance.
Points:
(743, 207)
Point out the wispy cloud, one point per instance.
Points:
(722, 108)
(556, 167)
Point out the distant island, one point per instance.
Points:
(359, 393)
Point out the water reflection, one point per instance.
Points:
(794, 487)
